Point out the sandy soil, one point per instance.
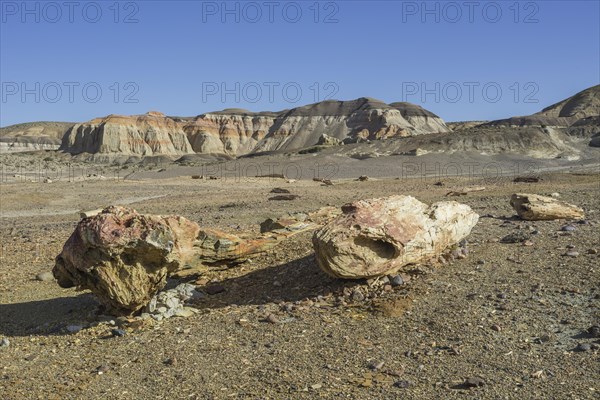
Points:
(510, 314)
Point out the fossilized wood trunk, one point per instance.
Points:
(124, 257)
(379, 236)
(535, 207)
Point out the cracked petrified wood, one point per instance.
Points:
(125, 257)
(534, 207)
(379, 236)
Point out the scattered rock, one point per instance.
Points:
(396, 280)
(379, 236)
(326, 140)
(4, 343)
(474, 381)
(357, 296)
(535, 207)
(594, 331)
(568, 228)
(582, 347)
(375, 365)
(363, 178)
(171, 361)
(117, 332)
(555, 195)
(572, 253)
(73, 328)
(272, 318)
(45, 276)
(197, 177)
(403, 384)
(184, 312)
(527, 179)
(293, 223)
(279, 190)
(284, 197)
(171, 303)
(515, 237)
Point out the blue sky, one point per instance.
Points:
(461, 60)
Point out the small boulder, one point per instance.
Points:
(534, 207)
(326, 140)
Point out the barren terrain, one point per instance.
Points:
(513, 318)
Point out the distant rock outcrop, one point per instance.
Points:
(364, 118)
(557, 131)
(231, 131)
(143, 135)
(569, 129)
(562, 114)
(33, 136)
(237, 132)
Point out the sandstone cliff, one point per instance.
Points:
(142, 135)
(231, 131)
(237, 132)
(348, 121)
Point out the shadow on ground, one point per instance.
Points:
(46, 317)
(289, 282)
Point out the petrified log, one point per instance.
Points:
(379, 236)
(534, 207)
(124, 257)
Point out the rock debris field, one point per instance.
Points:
(271, 288)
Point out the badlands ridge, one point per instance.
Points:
(563, 130)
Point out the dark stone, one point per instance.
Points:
(474, 381)
(117, 332)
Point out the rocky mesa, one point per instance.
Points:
(237, 132)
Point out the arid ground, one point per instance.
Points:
(512, 319)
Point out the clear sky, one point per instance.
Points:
(463, 60)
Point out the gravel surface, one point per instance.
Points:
(514, 320)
